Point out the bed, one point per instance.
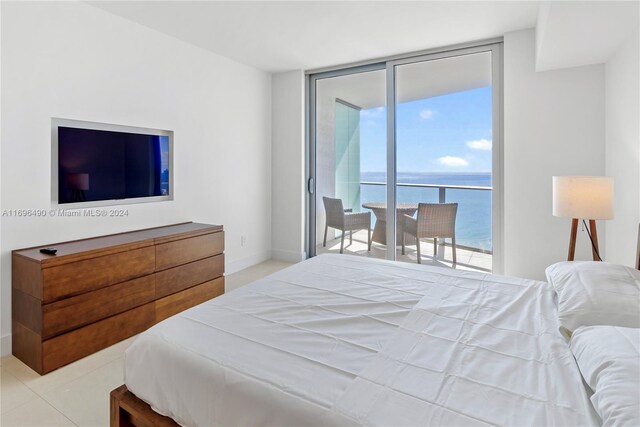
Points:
(346, 340)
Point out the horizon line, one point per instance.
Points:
(439, 172)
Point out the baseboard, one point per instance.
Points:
(288, 256)
(240, 264)
(5, 345)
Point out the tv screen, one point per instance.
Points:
(96, 165)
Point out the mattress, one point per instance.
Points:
(346, 340)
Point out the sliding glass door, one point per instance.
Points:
(415, 143)
(444, 160)
(350, 141)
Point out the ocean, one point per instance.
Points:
(473, 222)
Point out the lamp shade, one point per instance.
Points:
(583, 197)
(78, 181)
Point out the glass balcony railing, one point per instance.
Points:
(473, 221)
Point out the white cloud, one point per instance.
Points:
(479, 144)
(427, 114)
(453, 161)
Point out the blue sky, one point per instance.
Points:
(449, 133)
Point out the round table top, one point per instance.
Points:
(383, 205)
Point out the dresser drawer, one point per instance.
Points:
(187, 250)
(70, 313)
(180, 301)
(183, 277)
(98, 291)
(95, 273)
(66, 348)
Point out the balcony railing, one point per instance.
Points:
(473, 224)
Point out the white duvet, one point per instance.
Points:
(343, 340)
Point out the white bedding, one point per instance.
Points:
(609, 359)
(344, 340)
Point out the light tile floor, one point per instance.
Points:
(78, 394)
(466, 259)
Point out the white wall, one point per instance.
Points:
(622, 77)
(553, 125)
(288, 165)
(75, 61)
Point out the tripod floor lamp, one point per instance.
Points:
(583, 198)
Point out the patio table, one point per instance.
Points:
(380, 229)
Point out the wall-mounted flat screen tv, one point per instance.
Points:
(112, 164)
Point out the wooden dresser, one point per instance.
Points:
(96, 292)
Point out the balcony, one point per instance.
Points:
(473, 225)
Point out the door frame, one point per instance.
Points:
(495, 46)
(311, 144)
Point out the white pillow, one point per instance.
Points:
(596, 293)
(609, 360)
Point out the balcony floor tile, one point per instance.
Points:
(467, 259)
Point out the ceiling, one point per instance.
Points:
(571, 34)
(279, 36)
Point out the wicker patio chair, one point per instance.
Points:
(435, 220)
(345, 220)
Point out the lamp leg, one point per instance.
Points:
(572, 239)
(594, 236)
